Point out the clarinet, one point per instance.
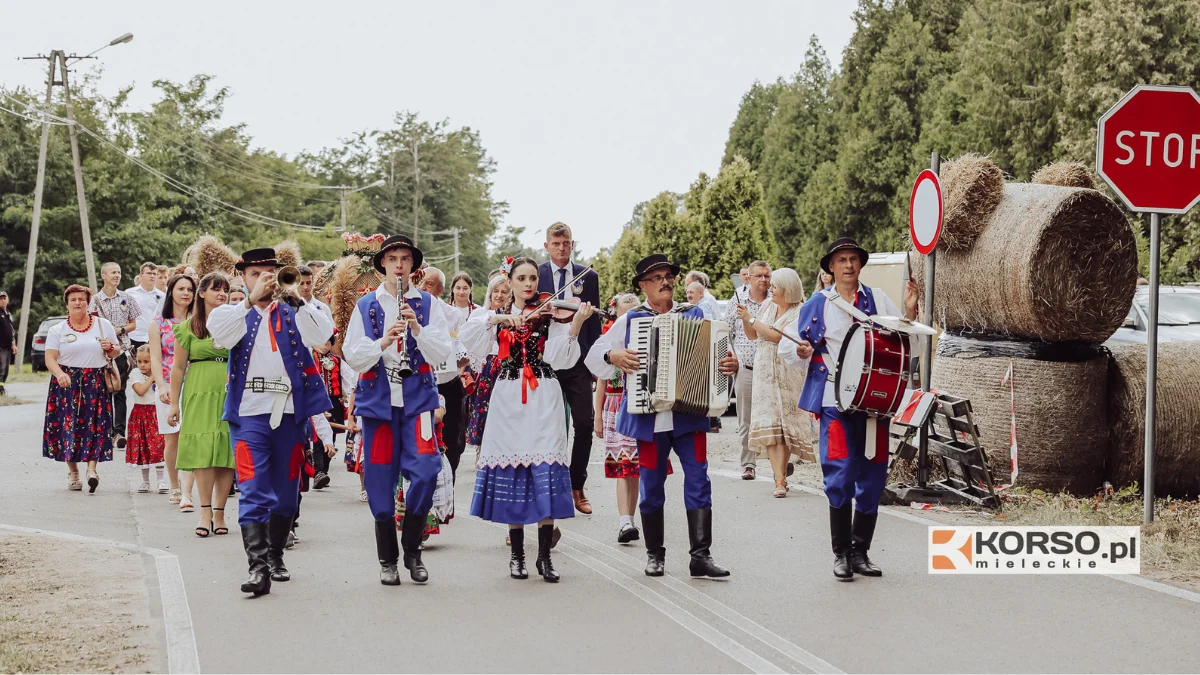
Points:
(405, 367)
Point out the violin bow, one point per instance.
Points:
(553, 296)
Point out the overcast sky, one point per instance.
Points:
(587, 107)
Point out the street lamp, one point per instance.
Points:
(127, 37)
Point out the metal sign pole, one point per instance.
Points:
(1151, 375)
(935, 164)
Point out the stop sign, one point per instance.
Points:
(1148, 148)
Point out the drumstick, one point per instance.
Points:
(783, 334)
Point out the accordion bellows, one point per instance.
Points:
(678, 371)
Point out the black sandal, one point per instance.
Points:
(203, 532)
(220, 530)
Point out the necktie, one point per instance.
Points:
(562, 278)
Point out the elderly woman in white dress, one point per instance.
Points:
(523, 475)
(777, 425)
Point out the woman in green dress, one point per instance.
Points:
(201, 371)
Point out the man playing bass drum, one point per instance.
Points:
(849, 474)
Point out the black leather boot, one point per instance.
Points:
(700, 536)
(254, 539)
(545, 566)
(656, 553)
(389, 552)
(516, 564)
(839, 534)
(862, 532)
(277, 536)
(410, 541)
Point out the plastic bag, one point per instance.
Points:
(443, 492)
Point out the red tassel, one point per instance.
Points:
(528, 381)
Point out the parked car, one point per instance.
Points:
(38, 360)
(1178, 315)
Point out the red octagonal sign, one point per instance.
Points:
(1148, 148)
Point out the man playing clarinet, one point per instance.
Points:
(394, 336)
(659, 433)
(274, 389)
(853, 445)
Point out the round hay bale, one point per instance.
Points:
(1177, 434)
(1060, 397)
(972, 186)
(1065, 174)
(1054, 264)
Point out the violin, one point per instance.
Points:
(545, 305)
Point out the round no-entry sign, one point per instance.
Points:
(925, 212)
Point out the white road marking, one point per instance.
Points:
(182, 657)
(697, 626)
(903, 514)
(743, 623)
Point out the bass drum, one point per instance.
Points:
(872, 370)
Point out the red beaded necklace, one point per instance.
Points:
(91, 320)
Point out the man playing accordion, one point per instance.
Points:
(658, 433)
(854, 465)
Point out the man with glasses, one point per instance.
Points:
(659, 433)
(757, 294)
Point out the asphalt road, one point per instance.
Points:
(781, 611)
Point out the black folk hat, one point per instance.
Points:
(650, 263)
(844, 244)
(258, 257)
(394, 242)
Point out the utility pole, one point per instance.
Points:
(416, 151)
(79, 194)
(456, 266)
(57, 57)
(343, 209)
(27, 295)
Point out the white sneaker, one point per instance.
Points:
(362, 496)
(163, 488)
(144, 487)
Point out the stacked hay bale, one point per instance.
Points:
(1034, 282)
(1177, 437)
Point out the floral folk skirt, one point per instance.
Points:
(477, 404)
(144, 445)
(79, 418)
(620, 451)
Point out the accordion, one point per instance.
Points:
(678, 366)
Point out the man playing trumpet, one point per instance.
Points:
(274, 389)
(395, 330)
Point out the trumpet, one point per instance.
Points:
(287, 285)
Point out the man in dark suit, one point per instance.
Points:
(576, 382)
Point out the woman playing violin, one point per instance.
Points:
(523, 475)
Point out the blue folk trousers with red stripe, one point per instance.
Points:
(653, 457)
(404, 446)
(269, 462)
(848, 472)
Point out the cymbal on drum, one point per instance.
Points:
(902, 324)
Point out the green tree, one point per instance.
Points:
(746, 133)
(798, 139)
